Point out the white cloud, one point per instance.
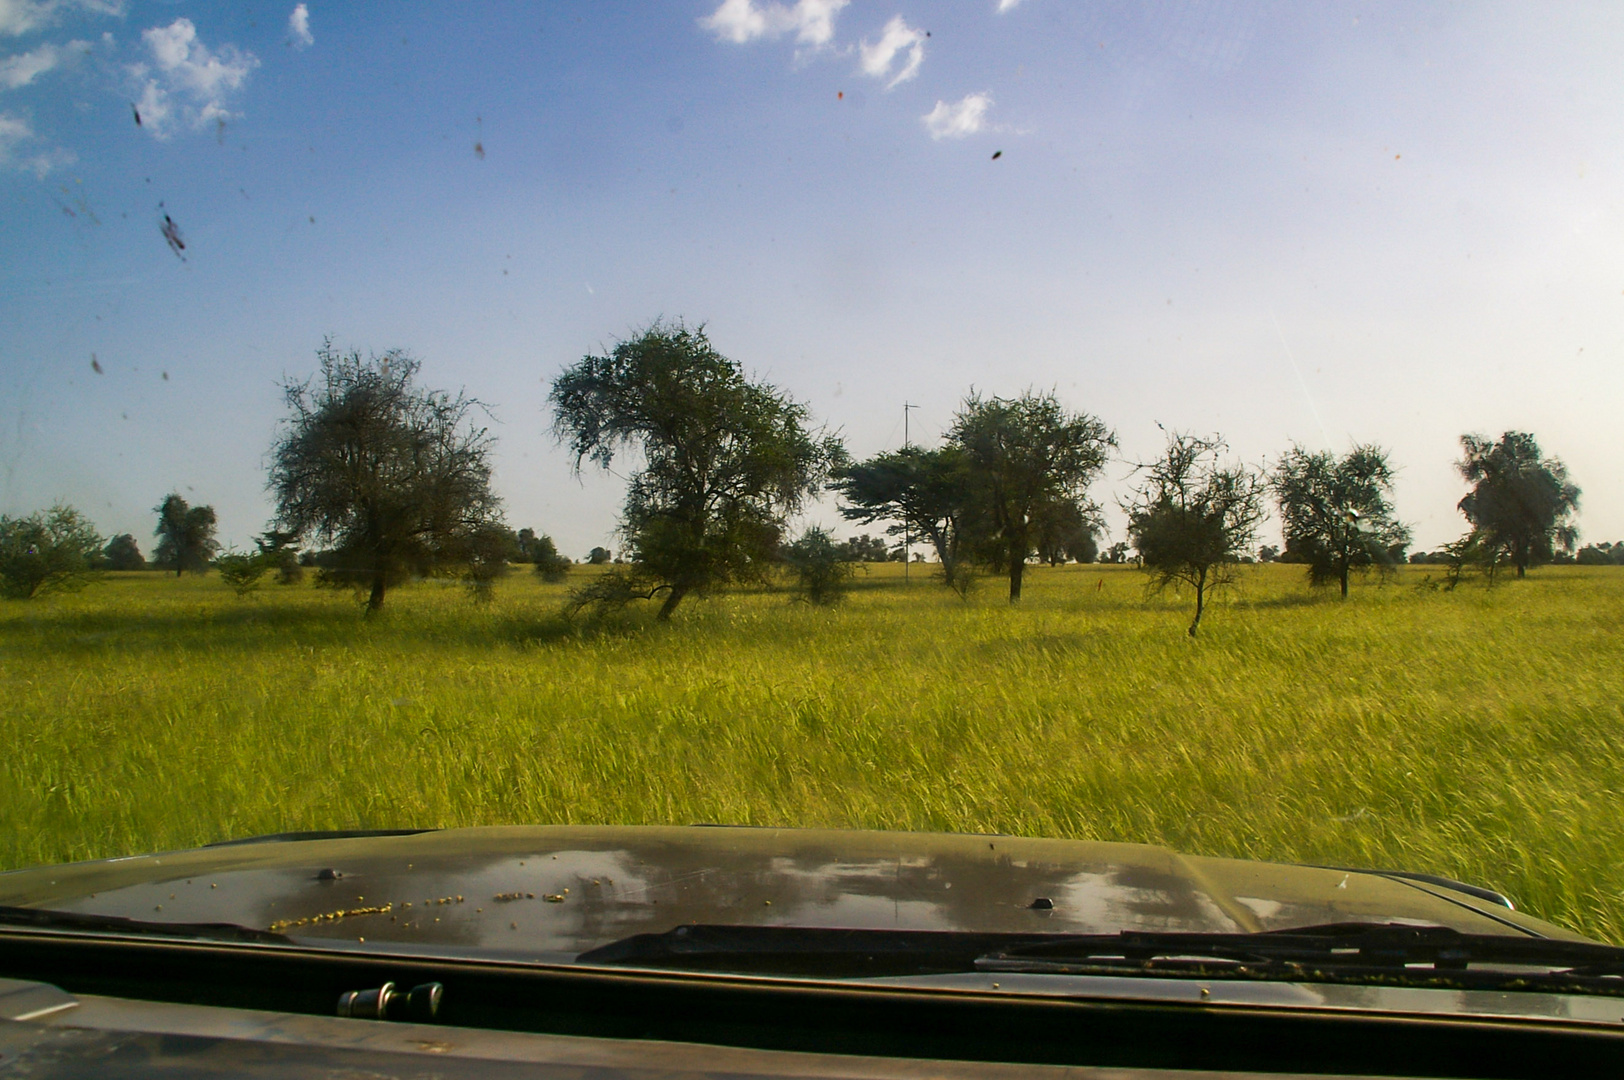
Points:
(200, 80)
(24, 68)
(743, 21)
(13, 129)
(21, 16)
(1005, 5)
(965, 117)
(896, 37)
(14, 134)
(299, 28)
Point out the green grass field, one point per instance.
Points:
(1477, 733)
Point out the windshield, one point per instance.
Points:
(1183, 429)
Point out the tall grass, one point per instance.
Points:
(1477, 733)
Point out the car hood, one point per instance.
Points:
(551, 892)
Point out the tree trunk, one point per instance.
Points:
(1200, 599)
(375, 598)
(672, 599)
(1017, 567)
(1344, 579)
(938, 540)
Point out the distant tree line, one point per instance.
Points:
(376, 479)
(1603, 554)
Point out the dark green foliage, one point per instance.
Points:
(1025, 456)
(1337, 513)
(280, 551)
(524, 547)
(924, 494)
(394, 477)
(1268, 553)
(46, 552)
(819, 566)
(866, 548)
(599, 556)
(1065, 531)
(724, 460)
(488, 548)
(185, 536)
(1520, 502)
(1194, 516)
(1116, 554)
(123, 553)
(549, 563)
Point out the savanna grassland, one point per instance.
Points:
(1477, 733)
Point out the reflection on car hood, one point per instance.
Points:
(550, 892)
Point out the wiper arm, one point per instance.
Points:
(47, 919)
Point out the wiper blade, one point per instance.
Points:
(47, 919)
(1382, 951)
(1413, 955)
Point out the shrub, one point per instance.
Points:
(241, 571)
(820, 567)
(549, 563)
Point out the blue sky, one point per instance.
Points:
(1286, 223)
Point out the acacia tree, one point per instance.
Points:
(923, 493)
(1194, 516)
(394, 478)
(185, 535)
(1520, 502)
(46, 552)
(725, 461)
(1025, 456)
(1337, 513)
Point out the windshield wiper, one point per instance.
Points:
(1341, 948)
(47, 919)
(1357, 952)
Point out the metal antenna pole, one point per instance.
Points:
(907, 538)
